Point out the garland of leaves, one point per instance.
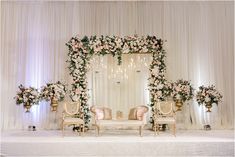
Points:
(82, 49)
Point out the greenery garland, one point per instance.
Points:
(82, 49)
(159, 87)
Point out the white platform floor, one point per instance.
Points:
(118, 143)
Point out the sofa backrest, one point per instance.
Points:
(138, 113)
(101, 113)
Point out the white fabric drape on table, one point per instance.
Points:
(199, 48)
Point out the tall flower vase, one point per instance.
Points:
(54, 104)
(54, 120)
(208, 106)
(27, 106)
(207, 125)
(27, 117)
(28, 120)
(53, 117)
(179, 104)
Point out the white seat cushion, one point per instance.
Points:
(73, 120)
(165, 120)
(120, 122)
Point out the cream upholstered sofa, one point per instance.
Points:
(103, 118)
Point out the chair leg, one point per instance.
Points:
(80, 129)
(63, 130)
(83, 129)
(157, 129)
(98, 130)
(140, 131)
(174, 129)
(61, 125)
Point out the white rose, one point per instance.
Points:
(207, 99)
(145, 49)
(25, 99)
(177, 88)
(126, 51)
(159, 93)
(34, 93)
(155, 71)
(178, 97)
(75, 98)
(160, 86)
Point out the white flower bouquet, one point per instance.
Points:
(27, 95)
(55, 91)
(182, 90)
(208, 95)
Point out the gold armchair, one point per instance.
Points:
(164, 114)
(69, 118)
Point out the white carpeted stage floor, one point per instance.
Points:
(118, 143)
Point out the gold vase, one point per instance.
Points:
(54, 104)
(179, 104)
(27, 106)
(208, 106)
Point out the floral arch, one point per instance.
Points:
(82, 49)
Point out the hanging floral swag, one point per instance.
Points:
(82, 49)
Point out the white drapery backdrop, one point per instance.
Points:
(119, 87)
(199, 48)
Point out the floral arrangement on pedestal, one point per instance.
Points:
(82, 49)
(27, 96)
(182, 91)
(208, 96)
(53, 92)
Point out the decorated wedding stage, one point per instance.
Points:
(119, 143)
(166, 101)
(154, 79)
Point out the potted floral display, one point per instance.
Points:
(208, 96)
(27, 96)
(53, 92)
(182, 91)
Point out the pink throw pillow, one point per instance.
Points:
(140, 113)
(99, 113)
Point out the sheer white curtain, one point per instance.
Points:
(199, 48)
(120, 87)
(33, 53)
